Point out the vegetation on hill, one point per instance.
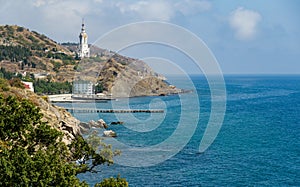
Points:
(33, 153)
(14, 53)
(41, 86)
(45, 87)
(6, 74)
(33, 53)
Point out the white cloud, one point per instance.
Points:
(244, 22)
(163, 10)
(60, 19)
(131, 10)
(149, 10)
(98, 1)
(190, 7)
(38, 3)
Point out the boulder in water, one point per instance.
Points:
(109, 133)
(117, 123)
(98, 124)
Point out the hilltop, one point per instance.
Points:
(32, 54)
(28, 51)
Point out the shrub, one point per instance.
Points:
(113, 182)
(20, 29)
(32, 152)
(3, 85)
(16, 82)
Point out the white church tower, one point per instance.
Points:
(84, 50)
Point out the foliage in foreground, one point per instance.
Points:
(32, 153)
(113, 182)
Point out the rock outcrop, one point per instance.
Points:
(54, 116)
(109, 133)
(121, 77)
(85, 127)
(117, 123)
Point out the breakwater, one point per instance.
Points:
(94, 110)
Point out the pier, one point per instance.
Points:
(94, 110)
(69, 98)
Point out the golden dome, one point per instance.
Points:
(84, 35)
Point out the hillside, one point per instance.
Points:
(30, 54)
(57, 117)
(23, 50)
(132, 78)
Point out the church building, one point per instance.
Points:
(84, 50)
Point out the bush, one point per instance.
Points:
(20, 29)
(32, 153)
(57, 65)
(99, 88)
(6, 74)
(4, 86)
(46, 87)
(113, 182)
(16, 82)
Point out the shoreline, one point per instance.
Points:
(69, 98)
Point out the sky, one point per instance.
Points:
(246, 37)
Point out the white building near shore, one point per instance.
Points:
(82, 87)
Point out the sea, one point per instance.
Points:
(257, 137)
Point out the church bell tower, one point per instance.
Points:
(84, 50)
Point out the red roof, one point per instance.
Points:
(27, 86)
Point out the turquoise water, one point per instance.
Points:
(258, 143)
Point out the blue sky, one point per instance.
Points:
(246, 37)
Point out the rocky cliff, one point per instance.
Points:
(56, 117)
(132, 78)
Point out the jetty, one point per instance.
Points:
(69, 98)
(94, 110)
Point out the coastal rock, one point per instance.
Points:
(124, 77)
(93, 123)
(117, 123)
(109, 133)
(54, 116)
(68, 127)
(98, 124)
(102, 123)
(84, 127)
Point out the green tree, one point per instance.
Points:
(113, 182)
(14, 53)
(4, 86)
(48, 87)
(32, 153)
(99, 88)
(6, 74)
